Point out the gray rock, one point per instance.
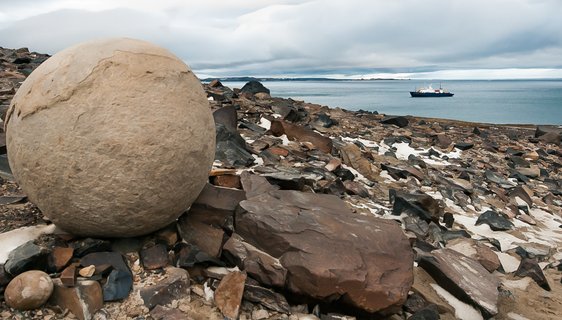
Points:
(496, 221)
(254, 87)
(26, 257)
(231, 148)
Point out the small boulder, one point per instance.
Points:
(29, 290)
(253, 87)
(174, 287)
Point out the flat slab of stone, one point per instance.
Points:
(463, 277)
(328, 251)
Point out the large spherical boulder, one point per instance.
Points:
(111, 138)
(29, 290)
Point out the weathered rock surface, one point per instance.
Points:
(29, 290)
(463, 277)
(109, 140)
(228, 295)
(496, 221)
(174, 287)
(83, 300)
(305, 232)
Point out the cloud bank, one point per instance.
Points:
(348, 39)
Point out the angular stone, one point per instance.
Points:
(448, 219)
(464, 278)
(68, 276)
(353, 187)
(118, 285)
(477, 251)
(220, 198)
(29, 290)
(120, 280)
(306, 231)
(87, 272)
(83, 300)
(352, 156)
(301, 134)
(88, 245)
(464, 145)
(442, 141)
(487, 258)
(228, 295)
(267, 298)
(226, 116)
(414, 303)
(254, 185)
(28, 256)
(188, 255)
(333, 164)
(397, 121)
(154, 257)
(496, 221)
(258, 264)
(428, 313)
(227, 181)
(59, 258)
(496, 178)
(207, 237)
(530, 268)
(231, 148)
(419, 204)
(254, 87)
(174, 287)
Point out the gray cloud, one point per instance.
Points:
(306, 37)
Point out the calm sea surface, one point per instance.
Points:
(491, 101)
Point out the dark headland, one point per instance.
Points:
(314, 212)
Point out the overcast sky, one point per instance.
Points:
(340, 38)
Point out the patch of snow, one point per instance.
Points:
(388, 178)
(365, 142)
(285, 140)
(463, 311)
(435, 195)
(506, 240)
(264, 123)
(15, 238)
(257, 160)
(520, 284)
(509, 262)
(277, 116)
(210, 99)
(209, 293)
(358, 176)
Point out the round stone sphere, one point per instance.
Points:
(111, 138)
(29, 290)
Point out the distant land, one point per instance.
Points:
(264, 79)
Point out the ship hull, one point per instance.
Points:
(430, 94)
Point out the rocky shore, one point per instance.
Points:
(312, 212)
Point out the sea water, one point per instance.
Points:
(488, 101)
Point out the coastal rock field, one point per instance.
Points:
(312, 212)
